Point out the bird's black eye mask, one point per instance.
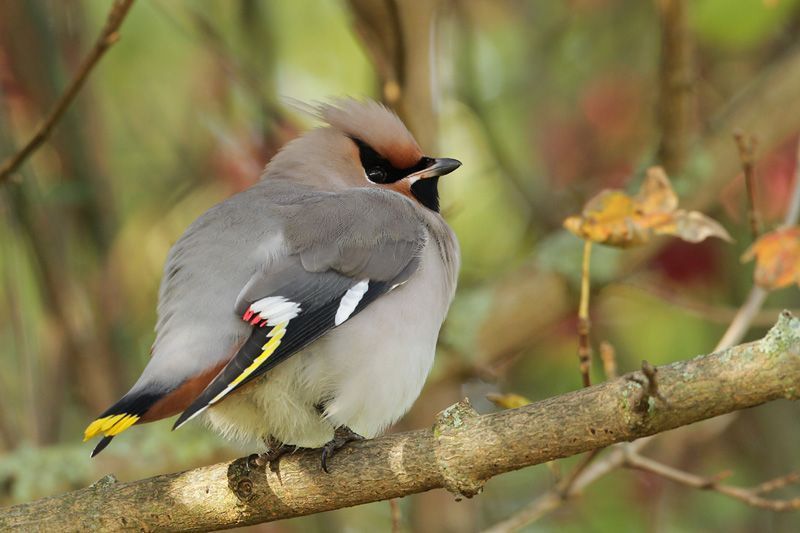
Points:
(379, 170)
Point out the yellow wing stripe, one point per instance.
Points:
(269, 348)
(110, 425)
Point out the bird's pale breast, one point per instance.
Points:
(367, 372)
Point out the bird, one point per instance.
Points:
(304, 311)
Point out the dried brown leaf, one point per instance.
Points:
(777, 256)
(617, 219)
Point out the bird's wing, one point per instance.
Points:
(345, 251)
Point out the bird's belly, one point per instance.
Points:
(366, 373)
(279, 404)
(377, 362)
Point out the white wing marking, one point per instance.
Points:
(350, 300)
(275, 309)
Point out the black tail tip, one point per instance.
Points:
(101, 445)
(192, 411)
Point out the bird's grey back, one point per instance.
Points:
(223, 249)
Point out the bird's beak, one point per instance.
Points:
(438, 167)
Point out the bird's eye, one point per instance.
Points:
(376, 174)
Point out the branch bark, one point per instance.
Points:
(459, 453)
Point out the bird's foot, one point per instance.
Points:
(272, 457)
(341, 436)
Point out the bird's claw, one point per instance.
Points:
(341, 436)
(272, 457)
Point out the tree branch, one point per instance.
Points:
(459, 453)
(108, 36)
(752, 496)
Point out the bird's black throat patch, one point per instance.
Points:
(427, 193)
(379, 170)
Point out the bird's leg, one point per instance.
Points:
(341, 436)
(272, 457)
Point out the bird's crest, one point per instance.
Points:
(374, 124)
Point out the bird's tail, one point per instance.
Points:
(119, 417)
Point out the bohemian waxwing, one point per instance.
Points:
(304, 311)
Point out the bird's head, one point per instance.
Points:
(364, 145)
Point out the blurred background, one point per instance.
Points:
(546, 103)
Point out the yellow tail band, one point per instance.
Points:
(110, 425)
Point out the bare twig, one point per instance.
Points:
(556, 497)
(394, 510)
(108, 36)
(565, 486)
(746, 145)
(744, 317)
(584, 324)
(649, 388)
(675, 92)
(777, 483)
(609, 357)
(538, 508)
(757, 296)
(749, 496)
(793, 212)
(720, 314)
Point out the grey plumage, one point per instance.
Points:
(316, 243)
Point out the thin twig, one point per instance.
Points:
(676, 95)
(755, 299)
(538, 508)
(793, 212)
(584, 325)
(394, 510)
(743, 319)
(108, 36)
(720, 314)
(609, 357)
(777, 483)
(749, 496)
(649, 388)
(565, 486)
(557, 496)
(747, 150)
(757, 296)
